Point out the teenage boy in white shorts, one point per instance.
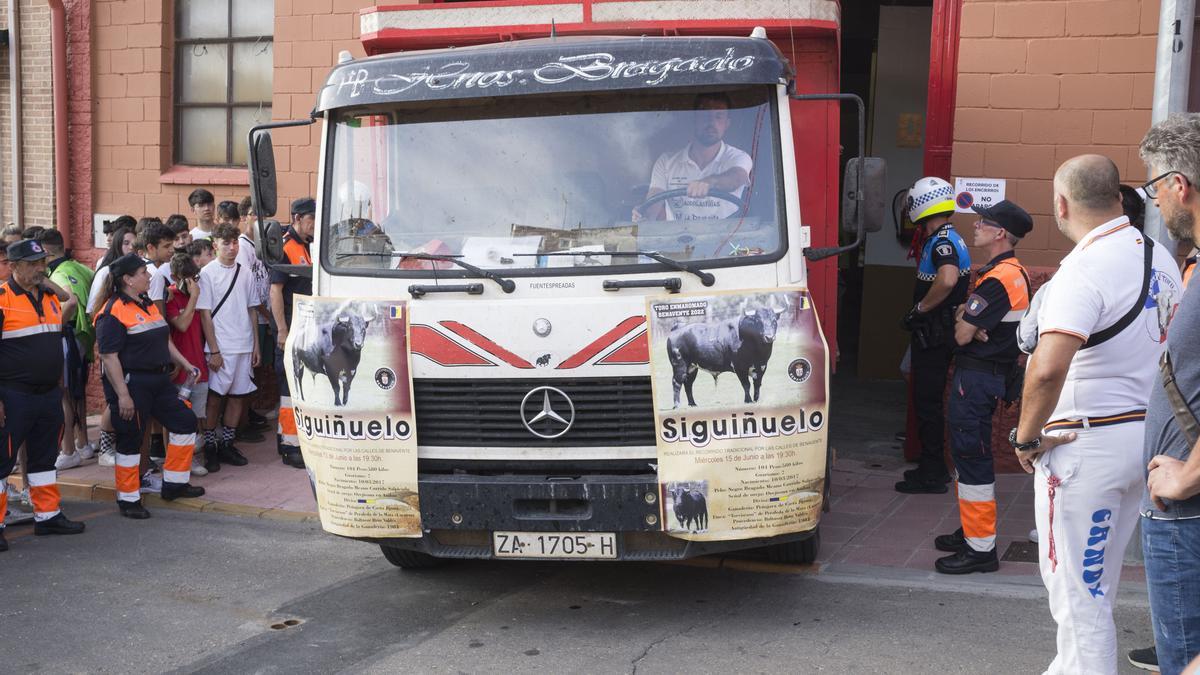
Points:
(227, 302)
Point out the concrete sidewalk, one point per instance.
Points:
(265, 487)
(870, 524)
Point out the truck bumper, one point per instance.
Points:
(460, 512)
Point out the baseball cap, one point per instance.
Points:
(304, 206)
(1007, 215)
(26, 249)
(126, 264)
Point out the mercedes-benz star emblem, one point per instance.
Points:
(555, 416)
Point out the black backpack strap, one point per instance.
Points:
(1100, 337)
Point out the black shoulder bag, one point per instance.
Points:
(1100, 337)
(236, 271)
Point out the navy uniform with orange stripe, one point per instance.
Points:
(996, 306)
(136, 332)
(31, 364)
(296, 252)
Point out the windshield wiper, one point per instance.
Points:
(506, 285)
(705, 278)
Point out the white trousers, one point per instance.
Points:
(1085, 502)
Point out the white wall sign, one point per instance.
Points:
(970, 192)
(99, 239)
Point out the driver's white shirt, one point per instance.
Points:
(675, 170)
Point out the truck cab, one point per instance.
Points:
(572, 229)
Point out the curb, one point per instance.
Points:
(106, 493)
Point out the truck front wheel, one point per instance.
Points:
(409, 560)
(802, 552)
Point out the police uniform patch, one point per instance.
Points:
(975, 305)
(944, 249)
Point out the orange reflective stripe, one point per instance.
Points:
(179, 457)
(127, 479)
(20, 314)
(3, 500)
(287, 421)
(45, 498)
(1009, 273)
(296, 252)
(130, 314)
(978, 518)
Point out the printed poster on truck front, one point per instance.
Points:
(347, 367)
(741, 404)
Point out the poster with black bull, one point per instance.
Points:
(347, 367)
(741, 402)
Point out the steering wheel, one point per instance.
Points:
(682, 192)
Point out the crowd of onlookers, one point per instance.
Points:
(197, 265)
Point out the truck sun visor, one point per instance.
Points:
(554, 65)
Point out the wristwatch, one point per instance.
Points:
(1023, 447)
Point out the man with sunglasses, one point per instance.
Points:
(1170, 508)
(985, 331)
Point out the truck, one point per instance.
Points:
(525, 254)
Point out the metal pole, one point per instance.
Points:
(1172, 72)
(14, 76)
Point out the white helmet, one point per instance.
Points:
(929, 196)
(354, 200)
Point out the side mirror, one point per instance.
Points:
(262, 173)
(270, 242)
(871, 190)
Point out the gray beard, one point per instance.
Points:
(1180, 225)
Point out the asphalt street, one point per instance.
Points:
(190, 592)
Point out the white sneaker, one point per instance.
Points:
(1033, 535)
(67, 461)
(108, 458)
(198, 467)
(151, 482)
(85, 451)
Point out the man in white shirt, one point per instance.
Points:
(706, 164)
(160, 246)
(227, 310)
(1102, 328)
(204, 208)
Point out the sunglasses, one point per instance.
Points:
(1150, 186)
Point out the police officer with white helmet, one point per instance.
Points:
(943, 277)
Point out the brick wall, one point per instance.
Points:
(37, 116)
(309, 34)
(134, 60)
(1040, 82)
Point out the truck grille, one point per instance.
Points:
(610, 411)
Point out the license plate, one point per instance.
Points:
(575, 545)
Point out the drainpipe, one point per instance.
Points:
(62, 184)
(14, 74)
(1176, 21)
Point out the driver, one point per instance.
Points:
(707, 163)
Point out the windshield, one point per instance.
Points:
(554, 185)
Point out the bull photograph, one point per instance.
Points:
(734, 334)
(686, 505)
(332, 342)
